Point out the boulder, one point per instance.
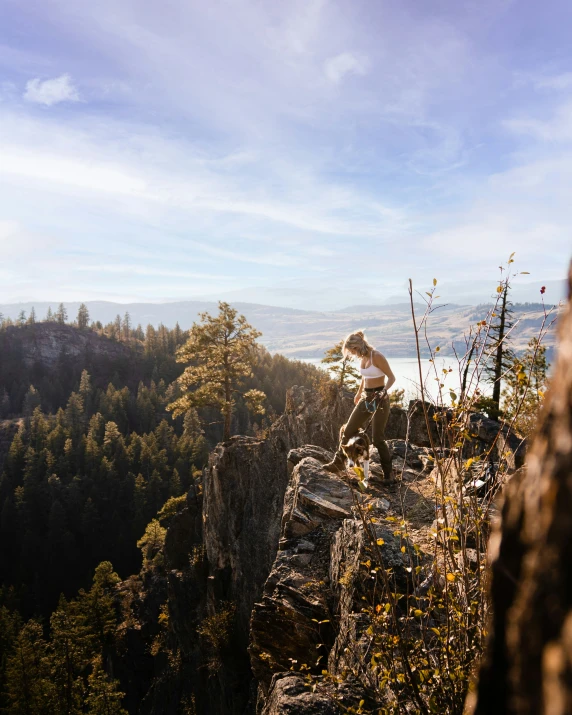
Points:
(308, 450)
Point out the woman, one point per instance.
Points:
(371, 398)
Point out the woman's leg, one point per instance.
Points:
(379, 424)
(357, 419)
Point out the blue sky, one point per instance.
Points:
(306, 153)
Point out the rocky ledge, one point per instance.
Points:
(311, 605)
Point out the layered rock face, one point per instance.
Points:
(46, 343)
(311, 611)
(528, 670)
(243, 498)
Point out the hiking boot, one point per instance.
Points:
(336, 466)
(391, 477)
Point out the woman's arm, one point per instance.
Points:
(380, 361)
(358, 393)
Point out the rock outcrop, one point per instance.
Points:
(46, 343)
(263, 572)
(409, 425)
(311, 609)
(528, 669)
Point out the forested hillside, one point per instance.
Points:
(90, 452)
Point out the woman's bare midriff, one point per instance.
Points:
(374, 382)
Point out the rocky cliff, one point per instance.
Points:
(46, 343)
(218, 553)
(264, 572)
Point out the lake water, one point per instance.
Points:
(406, 373)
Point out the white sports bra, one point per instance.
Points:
(371, 371)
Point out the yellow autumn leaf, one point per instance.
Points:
(450, 577)
(359, 472)
(417, 613)
(380, 542)
(434, 281)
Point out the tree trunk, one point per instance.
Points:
(227, 411)
(528, 667)
(495, 412)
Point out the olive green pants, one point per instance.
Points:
(358, 419)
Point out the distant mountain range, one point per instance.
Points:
(309, 333)
(299, 293)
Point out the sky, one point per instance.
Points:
(310, 153)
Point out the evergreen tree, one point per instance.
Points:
(97, 608)
(29, 687)
(342, 368)
(221, 351)
(126, 327)
(61, 314)
(104, 696)
(152, 542)
(117, 327)
(32, 317)
(4, 403)
(31, 401)
(21, 319)
(82, 319)
(70, 654)
(498, 347)
(49, 315)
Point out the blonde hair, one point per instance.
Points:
(356, 343)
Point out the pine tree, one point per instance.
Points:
(104, 696)
(126, 327)
(29, 686)
(61, 314)
(97, 608)
(221, 351)
(31, 401)
(175, 486)
(75, 416)
(82, 319)
(49, 315)
(70, 654)
(32, 317)
(498, 347)
(346, 375)
(4, 403)
(117, 327)
(150, 340)
(21, 319)
(152, 542)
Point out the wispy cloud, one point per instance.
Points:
(557, 128)
(336, 68)
(51, 91)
